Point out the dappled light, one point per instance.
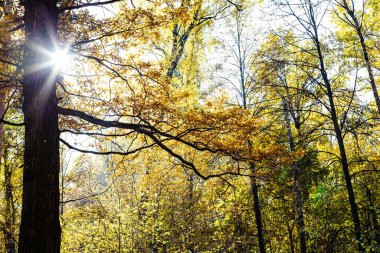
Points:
(197, 126)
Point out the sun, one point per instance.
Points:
(60, 59)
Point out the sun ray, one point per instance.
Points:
(59, 58)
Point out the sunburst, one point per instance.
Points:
(59, 59)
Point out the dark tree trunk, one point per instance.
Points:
(191, 243)
(359, 31)
(40, 230)
(296, 183)
(337, 129)
(290, 233)
(2, 110)
(369, 70)
(178, 47)
(374, 217)
(342, 150)
(257, 211)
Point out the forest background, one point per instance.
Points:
(189, 126)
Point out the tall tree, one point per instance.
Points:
(241, 79)
(288, 84)
(356, 20)
(40, 230)
(307, 16)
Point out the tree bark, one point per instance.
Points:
(192, 216)
(254, 187)
(290, 232)
(342, 150)
(257, 211)
(40, 230)
(337, 126)
(296, 183)
(2, 110)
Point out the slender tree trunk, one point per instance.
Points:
(290, 232)
(62, 193)
(337, 130)
(369, 69)
(359, 32)
(296, 183)
(342, 150)
(2, 110)
(191, 246)
(40, 230)
(10, 246)
(257, 211)
(254, 186)
(374, 217)
(179, 41)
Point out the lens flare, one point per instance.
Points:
(60, 59)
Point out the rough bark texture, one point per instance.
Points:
(40, 229)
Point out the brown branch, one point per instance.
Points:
(237, 6)
(148, 131)
(11, 123)
(86, 197)
(140, 128)
(104, 123)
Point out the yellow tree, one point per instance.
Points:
(363, 22)
(146, 107)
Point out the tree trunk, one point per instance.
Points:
(342, 150)
(359, 32)
(296, 183)
(369, 69)
(374, 217)
(290, 232)
(2, 110)
(191, 246)
(337, 130)
(257, 211)
(40, 230)
(10, 246)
